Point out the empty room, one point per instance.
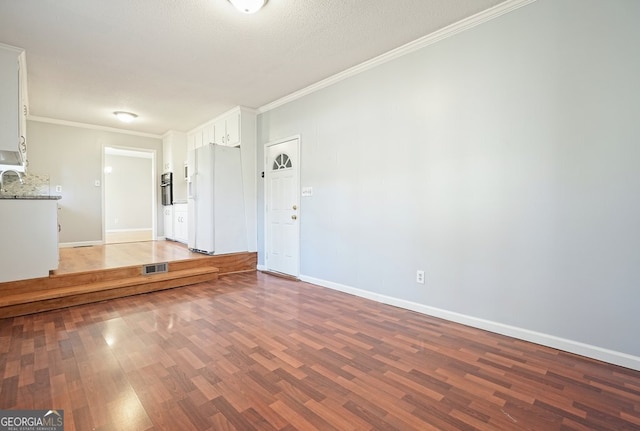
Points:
(321, 215)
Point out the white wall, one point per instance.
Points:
(72, 157)
(128, 192)
(503, 161)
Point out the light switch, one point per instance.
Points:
(307, 191)
(96, 183)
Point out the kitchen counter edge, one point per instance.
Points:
(35, 197)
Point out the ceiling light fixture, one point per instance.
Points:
(248, 6)
(126, 117)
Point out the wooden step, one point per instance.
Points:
(43, 295)
(65, 290)
(19, 304)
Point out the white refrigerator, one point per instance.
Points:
(216, 219)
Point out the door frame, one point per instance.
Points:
(265, 167)
(154, 185)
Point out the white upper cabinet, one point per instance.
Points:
(224, 130)
(174, 156)
(208, 134)
(174, 151)
(13, 105)
(167, 155)
(24, 107)
(227, 130)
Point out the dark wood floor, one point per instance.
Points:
(256, 352)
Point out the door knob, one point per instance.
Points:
(295, 207)
(294, 217)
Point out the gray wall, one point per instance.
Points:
(504, 161)
(128, 192)
(72, 157)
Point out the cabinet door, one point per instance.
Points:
(233, 129)
(167, 155)
(220, 132)
(199, 138)
(168, 222)
(9, 100)
(180, 223)
(195, 139)
(208, 134)
(22, 126)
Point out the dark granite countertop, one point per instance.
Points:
(30, 197)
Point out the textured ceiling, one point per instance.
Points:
(179, 63)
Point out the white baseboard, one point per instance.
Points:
(594, 352)
(79, 244)
(261, 268)
(144, 229)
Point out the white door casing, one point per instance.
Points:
(282, 207)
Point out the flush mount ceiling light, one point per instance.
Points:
(125, 117)
(248, 6)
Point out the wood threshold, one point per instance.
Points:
(280, 274)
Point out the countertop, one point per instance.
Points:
(32, 197)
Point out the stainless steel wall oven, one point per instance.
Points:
(166, 184)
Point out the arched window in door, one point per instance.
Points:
(282, 161)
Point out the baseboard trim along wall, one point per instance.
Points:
(144, 229)
(593, 352)
(79, 244)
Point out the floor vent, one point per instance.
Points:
(155, 268)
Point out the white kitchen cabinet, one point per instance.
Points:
(227, 130)
(208, 134)
(224, 130)
(29, 232)
(24, 108)
(13, 106)
(167, 155)
(167, 213)
(180, 227)
(196, 138)
(174, 154)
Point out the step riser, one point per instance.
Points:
(60, 292)
(65, 290)
(225, 263)
(68, 301)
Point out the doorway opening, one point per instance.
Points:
(129, 195)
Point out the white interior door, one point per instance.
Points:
(283, 207)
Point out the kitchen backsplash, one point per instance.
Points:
(34, 185)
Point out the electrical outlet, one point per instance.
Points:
(58, 189)
(420, 276)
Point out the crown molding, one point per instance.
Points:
(450, 30)
(11, 48)
(91, 126)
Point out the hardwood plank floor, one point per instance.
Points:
(91, 258)
(257, 352)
